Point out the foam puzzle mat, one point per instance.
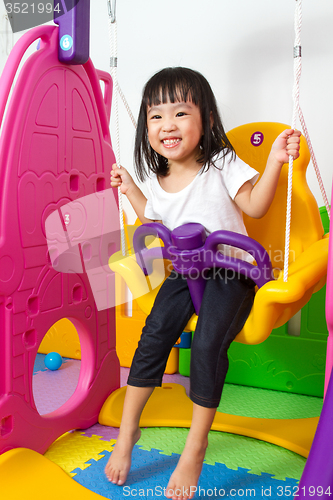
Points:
(234, 466)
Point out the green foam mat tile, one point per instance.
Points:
(263, 403)
(232, 450)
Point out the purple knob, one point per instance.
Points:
(189, 236)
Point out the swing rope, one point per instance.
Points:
(298, 112)
(113, 41)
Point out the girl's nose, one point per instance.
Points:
(168, 126)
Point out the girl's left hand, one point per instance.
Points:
(285, 145)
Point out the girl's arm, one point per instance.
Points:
(120, 177)
(256, 200)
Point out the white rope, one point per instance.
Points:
(297, 75)
(314, 161)
(113, 40)
(297, 111)
(128, 109)
(113, 71)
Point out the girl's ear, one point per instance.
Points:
(211, 120)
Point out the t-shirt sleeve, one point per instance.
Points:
(150, 210)
(235, 173)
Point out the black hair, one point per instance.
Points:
(173, 85)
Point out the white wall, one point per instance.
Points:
(243, 47)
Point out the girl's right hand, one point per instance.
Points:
(121, 178)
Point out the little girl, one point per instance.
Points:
(193, 175)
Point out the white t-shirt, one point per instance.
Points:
(208, 200)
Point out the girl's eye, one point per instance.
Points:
(181, 113)
(155, 117)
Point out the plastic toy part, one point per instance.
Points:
(169, 406)
(55, 147)
(185, 340)
(276, 301)
(292, 358)
(329, 312)
(317, 477)
(191, 253)
(63, 338)
(25, 472)
(53, 361)
(129, 329)
(318, 472)
(73, 31)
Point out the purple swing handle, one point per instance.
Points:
(145, 256)
(195, 253)
(260, 273)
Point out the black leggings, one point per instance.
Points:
(226, 304)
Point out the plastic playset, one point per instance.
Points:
(61, 270)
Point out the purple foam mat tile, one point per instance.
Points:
(51, 389)
(123, 376)
(102, 431)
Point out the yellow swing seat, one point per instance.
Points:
(277, 301)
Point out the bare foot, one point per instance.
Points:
(183, 482)
(119, 462)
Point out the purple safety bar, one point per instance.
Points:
(191, 253)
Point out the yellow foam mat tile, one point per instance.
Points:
(25, 474)
(73, 450)
(169, 406)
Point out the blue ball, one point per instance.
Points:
(53, 361)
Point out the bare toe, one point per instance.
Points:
(119, 462)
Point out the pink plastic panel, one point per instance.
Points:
(55, 148)
(329, 309)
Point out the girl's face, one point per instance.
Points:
(175, 131)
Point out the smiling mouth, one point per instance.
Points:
(170, 142)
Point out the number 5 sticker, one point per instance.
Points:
(257, 139)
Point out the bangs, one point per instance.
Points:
(179, 85)
(172, 85)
